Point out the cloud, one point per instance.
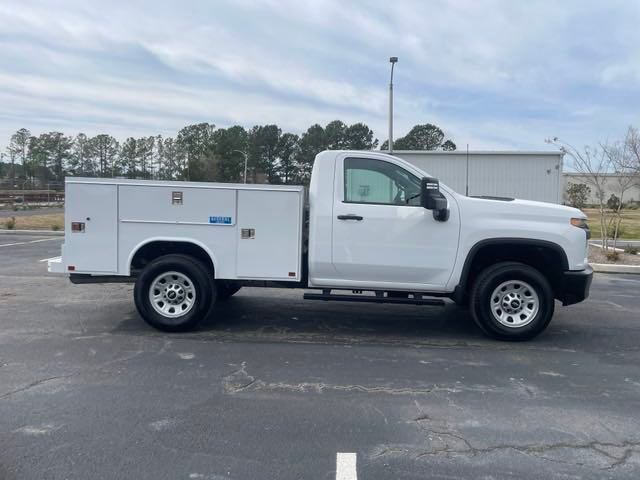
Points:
(495, 74)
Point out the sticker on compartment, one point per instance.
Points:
(220, 220)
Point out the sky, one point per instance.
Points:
(494, 74)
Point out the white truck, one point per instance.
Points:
(373, 229)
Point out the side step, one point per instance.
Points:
(415, 299)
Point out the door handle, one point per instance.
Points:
(350, 217)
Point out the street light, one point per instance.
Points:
(393, 61)
(245, 164)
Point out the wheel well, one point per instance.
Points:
(152, 250)
(546, 257)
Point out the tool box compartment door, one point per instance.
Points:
(269, 234)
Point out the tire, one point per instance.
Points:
(512, 301)
(179, 283)
(226, 289)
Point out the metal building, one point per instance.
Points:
(526, 175)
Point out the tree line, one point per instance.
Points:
(199, 152)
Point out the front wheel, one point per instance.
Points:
(174, 292)
(512, 301)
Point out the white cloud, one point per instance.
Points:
(492, 73)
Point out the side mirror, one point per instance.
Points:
(432, 199)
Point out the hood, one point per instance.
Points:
(511, 206)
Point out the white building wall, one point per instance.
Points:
(526, 175)
(612, 185)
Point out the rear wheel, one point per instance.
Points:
(174, 292)
(512, 301)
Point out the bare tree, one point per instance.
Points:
(625, 164)
(593, 164)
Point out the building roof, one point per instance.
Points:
(480, 152)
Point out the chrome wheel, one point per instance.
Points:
(172, 294)
(514, 303)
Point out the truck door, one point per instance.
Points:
(382, 237)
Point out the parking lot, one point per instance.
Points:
(278, 386)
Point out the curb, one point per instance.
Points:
(37, 233)
(612, 268)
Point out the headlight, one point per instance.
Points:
(582, 223)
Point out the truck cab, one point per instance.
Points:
(379, 230)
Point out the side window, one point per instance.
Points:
(376, 181)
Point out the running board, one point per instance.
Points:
(416, 299)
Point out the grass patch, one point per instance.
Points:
(630, 223)
(51, 221)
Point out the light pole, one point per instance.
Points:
(393, 61)
(245, 164)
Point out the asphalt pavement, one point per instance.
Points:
(277, 387)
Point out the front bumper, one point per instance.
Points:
(575, 285)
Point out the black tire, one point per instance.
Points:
(482, 307)
(226, 289)
(202, 290)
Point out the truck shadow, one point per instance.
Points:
(282, 316)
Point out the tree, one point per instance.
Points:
(263, 145)
(448, 146)
(312, 142)
(229, 145)
(593, 164)
(359, 137)
(422, 137)
(173, 160)
(336, 135)
(49, 155)
(624, 159)
(129, 157)
(195, 143)
(11, 171)
(288, 152)
(19, 147)
(80, 163)
(577, 194)
(144, 155)
(105, 153)
(158, 157)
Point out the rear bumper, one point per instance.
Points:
(575, 286)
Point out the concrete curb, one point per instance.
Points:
(612, 268)
(36, 233)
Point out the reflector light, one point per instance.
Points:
(77, 227)
(71, 268)
(292, 274)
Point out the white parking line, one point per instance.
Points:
(346, 466)
(32, 241)
(47, 259)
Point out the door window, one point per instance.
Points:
(379, 182)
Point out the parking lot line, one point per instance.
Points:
(346, 466)
(50, 258)
(31, 241)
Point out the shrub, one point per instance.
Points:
(613, 255)
(611, 230)
(55, 227)
(11, 223)
(631, 249)
(614, 202)
(577, 194)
